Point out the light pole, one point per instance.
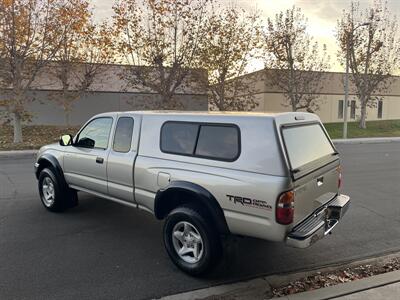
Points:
(346, 77)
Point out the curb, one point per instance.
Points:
(367, 140)
(253, 289)
(18, 153)
(347, 288)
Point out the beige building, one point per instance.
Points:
(271, 99)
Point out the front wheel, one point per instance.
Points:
(191, 242)
(53, 196)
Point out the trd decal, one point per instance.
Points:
(249, 202)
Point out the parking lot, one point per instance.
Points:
(103, 250)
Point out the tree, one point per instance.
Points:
(370, 37)
(297, 61)
(231, 37)
(86, 51)
(30, 32)
(159, 40)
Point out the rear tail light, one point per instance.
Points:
(340, 178)
(285, 208)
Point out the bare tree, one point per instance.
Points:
(29, 31)
(159, 39)
(85, 53)
(370, 37)
(231, 39)
(297, 61)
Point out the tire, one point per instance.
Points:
(53, 195)
(189, 228)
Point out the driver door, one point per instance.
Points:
(85, 162)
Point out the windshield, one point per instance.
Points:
(306, 143)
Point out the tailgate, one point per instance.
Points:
(314, 165)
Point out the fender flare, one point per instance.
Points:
(48, 160)
(200, 195)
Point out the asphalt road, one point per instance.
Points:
(101, 250)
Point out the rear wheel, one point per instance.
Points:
(190, 240)
(53, 196)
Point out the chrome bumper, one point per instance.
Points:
(319, 223)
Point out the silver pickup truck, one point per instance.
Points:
(270, 176)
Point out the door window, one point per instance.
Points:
(95, 134)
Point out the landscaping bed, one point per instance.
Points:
(33, 136)
(341, 275)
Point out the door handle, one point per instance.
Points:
(99, 160)
(320, 181)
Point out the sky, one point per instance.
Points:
(322, 17)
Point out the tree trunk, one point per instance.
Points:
(17, 128)
(293, 102)
(363, 123)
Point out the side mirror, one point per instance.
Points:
(66, 140)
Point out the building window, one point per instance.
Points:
(353, 109)
(340, 109)
(380, 109)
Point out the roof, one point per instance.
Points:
(283, 116)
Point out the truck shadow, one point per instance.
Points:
(242, 258)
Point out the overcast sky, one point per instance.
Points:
(322, 15)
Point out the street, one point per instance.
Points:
(103, 250)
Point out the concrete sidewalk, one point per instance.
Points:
(367, 140)
(18, 153)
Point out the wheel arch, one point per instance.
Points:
(51, 162)
(168, 198)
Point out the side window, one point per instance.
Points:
(95, 134)
(218, 142)
(123, 135)
(179, 138)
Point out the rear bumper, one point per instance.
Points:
(319, 223)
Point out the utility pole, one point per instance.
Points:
(346, 90)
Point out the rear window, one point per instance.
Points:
(305, 144)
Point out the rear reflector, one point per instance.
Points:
(285, 208)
